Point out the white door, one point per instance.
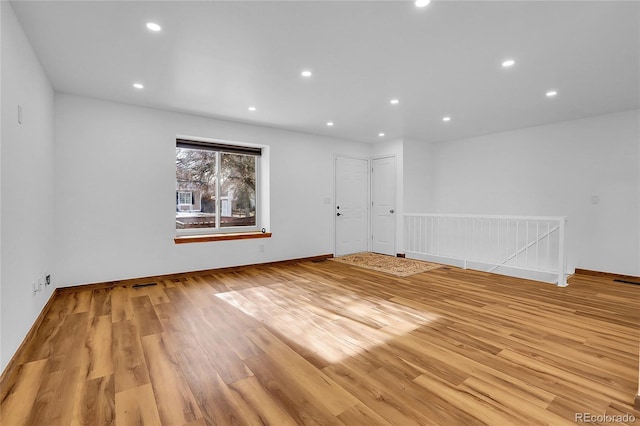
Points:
(351, 211)
(383, 197)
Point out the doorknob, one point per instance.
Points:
(391, 211)
(338, 214)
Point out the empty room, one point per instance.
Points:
(319, 212)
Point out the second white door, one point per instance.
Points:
(383, 200)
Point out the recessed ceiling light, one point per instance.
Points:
(446, 118)
(329, 123)
(252, 108)
(551, 93)
(306, 73)
(394, 102)
(381, 134)
(152, 26)
(138, 85)
(508, 63)
(422, 3)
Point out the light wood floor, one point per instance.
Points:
(327, 343)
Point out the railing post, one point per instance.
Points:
(562, 254)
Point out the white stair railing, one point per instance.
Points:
(547, 235)
(526, 246)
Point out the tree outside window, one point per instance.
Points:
(222, 187)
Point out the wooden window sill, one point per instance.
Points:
(220, 237)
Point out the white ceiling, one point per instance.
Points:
(218, 58)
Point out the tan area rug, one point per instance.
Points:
(391, 265)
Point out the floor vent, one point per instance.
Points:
(144, 285)
(626, 282)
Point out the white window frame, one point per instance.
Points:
(230, 229)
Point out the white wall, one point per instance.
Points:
(106, 152)
(418, 176)
(382, 149)
(27, 185)
(551, 170)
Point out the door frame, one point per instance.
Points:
(395, 200)
(335, 201)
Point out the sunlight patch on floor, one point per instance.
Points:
(347, 324)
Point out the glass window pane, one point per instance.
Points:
(237, 190)
(195, 188)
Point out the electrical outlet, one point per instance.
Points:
(40, 283)
(47, 279)
(35, 287)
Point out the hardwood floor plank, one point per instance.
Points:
(69, 347)
(170, 319)
(136, 407)
(182, 303)
(529, 410)
(81, 301)
(129, 365)
(197, 422)
(213, 396)
(197, 292)
(469, 404)
(332, 395)
(121, 309)
(580, 381)
(176, 404)
(232, 336)
(360, 414)
(57, 334)
(98, 345)
(235, 318)
(100, 302)
(284, 388)
(95, 402)
(55, 400)
(145, 316)
(422, 400)
(374, 395)
(17, 405)
(267, 410)
(228, 365)
(513, 385)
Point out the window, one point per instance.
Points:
(185, 198)
(216, 187)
